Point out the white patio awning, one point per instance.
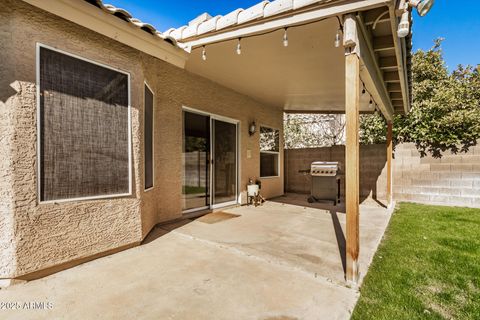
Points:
(309, 74)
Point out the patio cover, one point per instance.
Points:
(308, 75)
(244, 50)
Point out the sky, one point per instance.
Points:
(455, 20)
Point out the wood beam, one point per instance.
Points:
(397, 103)
(391, 76)
(389, 162)
(396, 96)
(383, 43)
(394, 87)
(370, 72)
(402, 69)
(352, 155)
(388, 63)
(379, 15)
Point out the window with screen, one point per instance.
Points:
(84, 129)
(269, 152)
(148, 138)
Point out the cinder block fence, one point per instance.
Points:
(451, 180)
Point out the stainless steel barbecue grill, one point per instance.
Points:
(325, 182)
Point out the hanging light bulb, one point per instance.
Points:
(285, 38)
(370, 104)
(338, 37)
(204, 54)
(239, 47)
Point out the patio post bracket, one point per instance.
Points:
(352, 153)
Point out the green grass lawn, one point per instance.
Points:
(427, 266)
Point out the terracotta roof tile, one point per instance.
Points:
(126, 16)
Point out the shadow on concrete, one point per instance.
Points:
(341, 241)
(334, 210)
(380, 203)
(162, 229)
(297, 199)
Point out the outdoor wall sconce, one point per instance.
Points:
(422, 6)
(252, 128)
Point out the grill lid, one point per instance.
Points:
(324, 168)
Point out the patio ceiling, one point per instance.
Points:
(309, 74)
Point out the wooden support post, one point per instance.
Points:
(389, 162)
(352, 156)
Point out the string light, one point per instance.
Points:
(338, 37)
(204, 54)
(285, 38)
(370, 104)
(239, 47)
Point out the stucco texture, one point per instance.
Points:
(38, 236)
(7, 245)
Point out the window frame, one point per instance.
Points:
(270, 152)
(153, 139)
(38, 121)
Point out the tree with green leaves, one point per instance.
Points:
(445, 113)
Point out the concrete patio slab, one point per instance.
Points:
(277, 261)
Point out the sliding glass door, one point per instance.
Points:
(224, 161)
(196, 159)
(210, 161)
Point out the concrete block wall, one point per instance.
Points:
(372, 169)
(453, 179)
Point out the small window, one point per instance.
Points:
(148, 138)
(269, 152)
(84, 129)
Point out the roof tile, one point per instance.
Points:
(276, 7)
(126, 16)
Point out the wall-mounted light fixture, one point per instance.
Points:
(404, 25)
(252, 128)
(422, 6)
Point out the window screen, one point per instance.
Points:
(148, 138)
(269, 152)
(84, 129)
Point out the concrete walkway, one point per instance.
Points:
(277, 261)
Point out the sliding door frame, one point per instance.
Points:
(213, 117)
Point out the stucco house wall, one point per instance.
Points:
(42, 236)
(7, 247)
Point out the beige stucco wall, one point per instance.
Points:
(39, 236)
(7, 245)
(175, 89)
